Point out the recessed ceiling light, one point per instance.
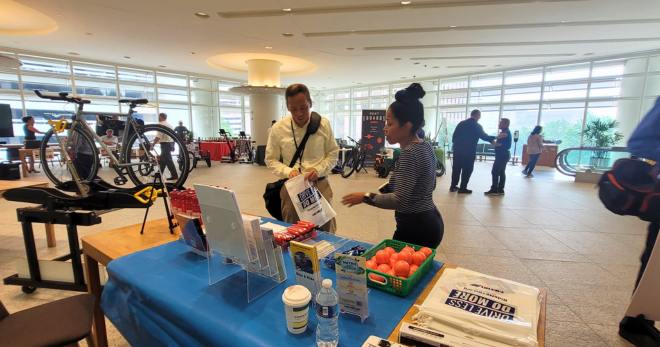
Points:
(163, 66)
(403, 78)
(498, 65)
(286, 10)
(435, 67)
(452, 26)
(406, 2)
(287, 34)
(564, 21)
(587, 54)
(73, 53)
(397, 58)
(268, 47)
(193, 53)
(349, 48)
(202, 15)
(89, 34)
(416, 63)
(127, 57)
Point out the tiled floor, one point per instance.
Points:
(546, 231)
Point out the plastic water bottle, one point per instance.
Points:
(327, 316)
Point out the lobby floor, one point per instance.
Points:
(546, 231)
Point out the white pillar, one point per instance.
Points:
(264, 106)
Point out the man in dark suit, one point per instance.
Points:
(465, 138)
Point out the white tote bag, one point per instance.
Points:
(310, 205)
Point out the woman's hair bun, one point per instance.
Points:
(413, 92)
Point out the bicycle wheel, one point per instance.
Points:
(181, 162)
(362, 156)
(146, 158)
(80, 149)
(351, 164)
(439, 169)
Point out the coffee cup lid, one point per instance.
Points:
(296, 296)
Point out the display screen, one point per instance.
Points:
(6, 128)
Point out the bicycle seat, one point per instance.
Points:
(134, 101)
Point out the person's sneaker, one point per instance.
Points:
(500, 192)
(464, 191)
(492, 192)
(524, 172)
(529, 175)
(639, 331)
(453, 189)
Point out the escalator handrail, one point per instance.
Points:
(561, 161)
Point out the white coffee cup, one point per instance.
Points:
(296, 300)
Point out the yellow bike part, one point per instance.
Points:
(58, 125)
(147, 193)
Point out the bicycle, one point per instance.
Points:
(141, 153)
(354, 159)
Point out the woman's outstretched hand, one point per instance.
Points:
(353, 199)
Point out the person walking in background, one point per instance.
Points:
(534, 149)
(318, 156)
(182, 132)
(502, 156)
(29, 131)
(410, 189)
(464, 148)
(166, 148)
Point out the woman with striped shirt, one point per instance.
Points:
(410, 189)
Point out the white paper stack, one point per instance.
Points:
(483, 309)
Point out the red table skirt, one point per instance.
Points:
(216, 149)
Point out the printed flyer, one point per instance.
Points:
(352, 285)
(306, 261)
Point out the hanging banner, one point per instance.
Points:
(373, 133)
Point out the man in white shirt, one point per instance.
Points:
(109, 138)
(166, 148)
(318, 157)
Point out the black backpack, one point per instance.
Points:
(631, 187)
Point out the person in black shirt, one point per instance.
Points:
(181, 131)
(502, 156)
(29, 131)
(465, 138)
(410, 189)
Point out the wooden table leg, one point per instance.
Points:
(99, 335)
(50, 235)
(21, 157)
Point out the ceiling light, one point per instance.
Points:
(435, 67)
(588, 54)
(286, 10)
(202, 15)
(73, 53)
(416, 63)
(162, 66)
(563, 21)
(89, 34)
(193, 53)
(268, 47)
(349, 48)
(287, 34)
(406, 2)
(403, 78)
(127, 57)
(497, 65)
(452, 26)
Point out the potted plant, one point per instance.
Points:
(601, 133)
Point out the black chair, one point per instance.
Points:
(59, 323)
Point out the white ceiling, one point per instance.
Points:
(165, 32)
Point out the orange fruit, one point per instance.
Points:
(383, 268)
(382, 257)
(427, 251)
(418, 258)
(389, 250)
(401, 268)
(405, 256)
(371, 264)
(413, 268)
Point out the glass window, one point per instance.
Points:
(653, 85)
(106, 72)
(380, 91)
(523, 76)
(522, 94)
(341, 125)
(453, 98)
(654, 63)
(91, 87)
(523, 118)
(618, 67)
(47, 65)
(605, 89)
(567, 72)
(485, 96)
(431, 122)
(172, 79)
(454, 83)
(565, 91)
(430, 99)
(172, 94)
(359, 105)
(9, 80)
(489, 80)
(200, 83)
(137, 91)
(227, 85)
(356, 127)
(342, 94)
(563, 121)
(175, 114)
(490, 116)
(342, 106)
(361, 92)
(49, 84)
(452, 116)
(201, 97)
(231, 119)
(248, 115)
(230, 100)
(379, 103)
(102, 105)
(430, 86)
(205, 121)
(133, 75)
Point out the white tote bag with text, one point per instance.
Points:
(310, 205)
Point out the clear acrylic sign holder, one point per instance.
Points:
(242, 258)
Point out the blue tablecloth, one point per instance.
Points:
(161, 297)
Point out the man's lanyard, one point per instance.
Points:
(295, 142)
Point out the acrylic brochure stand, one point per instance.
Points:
(242, 258)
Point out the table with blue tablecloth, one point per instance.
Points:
(162, 297)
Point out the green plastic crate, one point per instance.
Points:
(392, 284)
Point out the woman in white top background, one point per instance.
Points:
(534, 149)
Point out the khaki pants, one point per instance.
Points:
(289, 211)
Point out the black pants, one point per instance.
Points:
(499, 169)
(166, 149)
(83, 164)
(650, 243)
(423, 228)
(462, 168)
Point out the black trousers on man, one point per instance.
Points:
(499, 170)
(166, 149)
(462, 168)
(650, 243)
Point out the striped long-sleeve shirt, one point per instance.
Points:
(413, 181)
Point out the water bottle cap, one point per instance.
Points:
(327, 283)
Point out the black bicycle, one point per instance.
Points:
(353, 159)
